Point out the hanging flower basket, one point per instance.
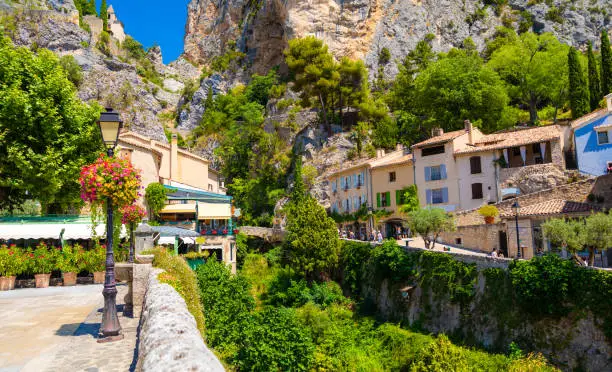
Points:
(132, 214)
(110, 178)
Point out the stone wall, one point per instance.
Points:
(491, 318)
(484, 238)
(532, 178)
(169, 338)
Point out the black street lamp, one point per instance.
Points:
(110, 329)
(516, 208)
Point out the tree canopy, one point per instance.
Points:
(429, 223)
(46, 133)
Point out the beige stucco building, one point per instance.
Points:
(374, 184)
(465, 169)
(168, 164)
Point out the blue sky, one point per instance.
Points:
(161, 21)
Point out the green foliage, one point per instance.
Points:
(42, 260)
(440, 355)
(223, 62)
(289, 290)
(74, 73)
(146, 69)
(46, 133)
(535, 68)
(429, 223)
(311, 245)
(86, 7)
(103, 43)
(578, 90)
(183, 280)
(409, 199)
(71, 259)
(104, 15)
(13, 261)
(542, 296)
(595, 93)
(275, 341)
(259, 88)
(156, 196)
(384, 56)
(133, 48)
(606, 63)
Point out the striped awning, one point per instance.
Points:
(214, 211)
(179, 208)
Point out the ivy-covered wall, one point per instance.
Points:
(546, 304)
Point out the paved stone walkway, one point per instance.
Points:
(55, 329)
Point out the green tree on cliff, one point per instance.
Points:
(594, 82)
(104, 15)
(579, 95)
(606, 64)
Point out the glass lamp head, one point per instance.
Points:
(110, 124)
(516, 208)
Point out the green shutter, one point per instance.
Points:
(398, 197)
(388, 197)
(377, 200)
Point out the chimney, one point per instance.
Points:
(380, 153)
(174, 158)
(609, 102)
(399, 147)
(435, 132)
(470, 132)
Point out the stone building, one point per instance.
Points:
(376, 184)
(464, 169)
(115, 26)
(592, 135)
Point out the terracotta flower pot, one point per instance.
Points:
(5, 283)
(99, 277)
(42, 280)
(489, 220)
(12, 282)
(69, 279)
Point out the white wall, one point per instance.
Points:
(466, 179)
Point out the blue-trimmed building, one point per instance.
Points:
(593, 141)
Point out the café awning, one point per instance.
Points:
(214, 211)
(178, 208)
(72, 231)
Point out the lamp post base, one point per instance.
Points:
(103, 340)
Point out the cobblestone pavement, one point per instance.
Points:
(418, 242)
(55, 329)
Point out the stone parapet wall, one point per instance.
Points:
(169, 337)
(482, 262)
(483, 238)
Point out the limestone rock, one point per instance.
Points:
(191, 115)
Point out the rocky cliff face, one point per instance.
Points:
(110, 80)
(361, 28)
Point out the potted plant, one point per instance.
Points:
(225, 232)
(236, 231)
(195, 259)
(214, 232)
(11, 264)
(489, 212)
(95, 263)
(42, 262)
(70, 262)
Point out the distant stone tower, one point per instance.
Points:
(115, 26)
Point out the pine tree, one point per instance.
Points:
(91, 7)
(606, 64)
(104, 15)
(579, 95)
(594, 83)
(299, 191)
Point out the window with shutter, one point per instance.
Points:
(475, 165)
(437, 196)
(436, 173)
(398, 197)
(477, 191)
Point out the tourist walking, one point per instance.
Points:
(380, 237)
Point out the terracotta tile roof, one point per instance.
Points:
(554, 207)
(513, 138)
(392, 158)
(588, 118)
(441, 139)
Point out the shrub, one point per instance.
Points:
(71, 259)
(94, 260)
(42, 259)
(12, 261)
(133, 48)
(276, 342)
(440, 355)
(183, 280)
(74, 73)
(488, 211)
(156, 195)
